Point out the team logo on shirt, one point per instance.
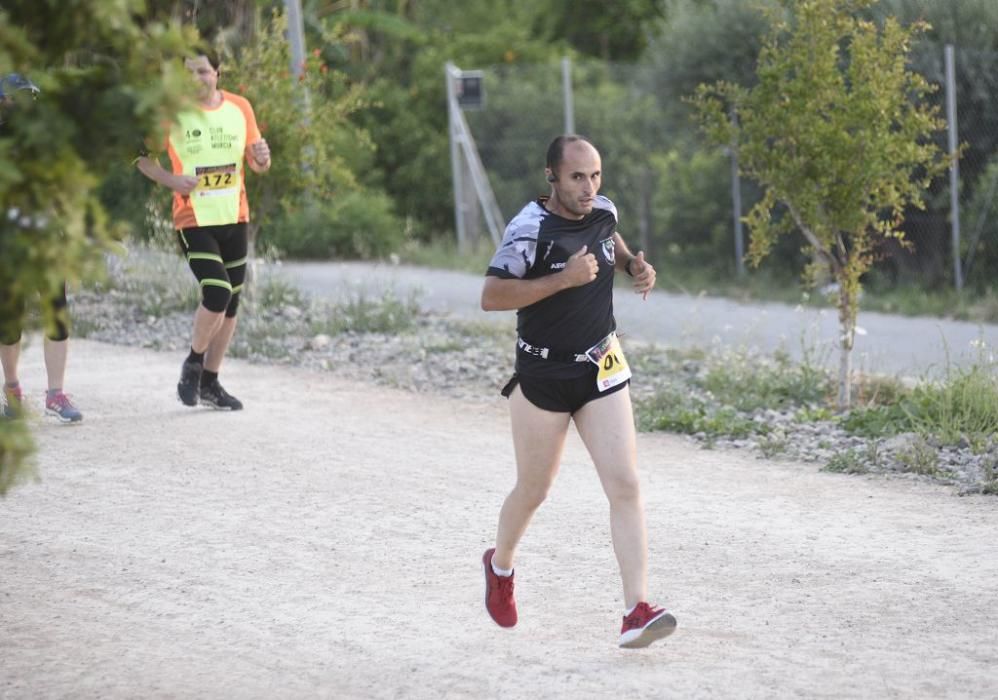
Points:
(607, 245)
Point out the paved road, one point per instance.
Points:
(889, 344)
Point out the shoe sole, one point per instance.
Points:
(219, 407)
(657, 629)
(62, 419)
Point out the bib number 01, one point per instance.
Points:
(608, 356)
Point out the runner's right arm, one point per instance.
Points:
(182, 184)
(500, 294)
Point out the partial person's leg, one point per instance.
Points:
(56, 354)
(606, 426)
(219, 344)
(9, 356)
(11, 311)
(56, 349)
(207, 324)
(11, 314)
(56, 345)
(538, 441)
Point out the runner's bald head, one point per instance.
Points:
(556, 151)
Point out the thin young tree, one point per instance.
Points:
(838, 134)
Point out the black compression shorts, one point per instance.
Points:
(217, 257)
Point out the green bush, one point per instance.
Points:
(359, 224)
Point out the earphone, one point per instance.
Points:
(552, 178)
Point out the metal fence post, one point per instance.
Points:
(954, 171)
(450, 71)
(566, 84)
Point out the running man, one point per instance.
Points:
(207, 146)
(555, 266)
(56, 340)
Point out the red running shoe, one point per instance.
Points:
(498, 593)
(645, 625)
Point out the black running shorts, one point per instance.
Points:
(560, 395)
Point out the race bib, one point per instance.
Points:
(215, 180)
(609, 357)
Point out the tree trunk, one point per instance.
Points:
(847, 328)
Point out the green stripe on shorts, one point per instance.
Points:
(216, 283)
(235, 263)
(204, 256)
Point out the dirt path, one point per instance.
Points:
(325, 543)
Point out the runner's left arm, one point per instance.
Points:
(634, 265)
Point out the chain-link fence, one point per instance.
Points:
(675, 192)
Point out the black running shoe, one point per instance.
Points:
(190, 380)
(212, 394)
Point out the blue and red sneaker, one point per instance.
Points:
(58, 404)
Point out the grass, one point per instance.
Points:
(445, 255)
(157, 279)
(751, 383)
(363, 314)
(908, 300)
(676, 411)
(990, 486)
(962, 408)
(766, 284)
(852, 461)
(919, 457)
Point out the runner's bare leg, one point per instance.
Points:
(206, 326)
(538, 440)
(219, 344)
(606, 426)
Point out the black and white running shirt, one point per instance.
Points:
(537, 243)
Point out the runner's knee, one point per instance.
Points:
(57, 330)
(534, 492)
(10, 335)
(233, 306)
(215, 297)
(623, 487)
(237, 275)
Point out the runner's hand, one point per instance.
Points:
(644, 274)
(184, 184)
(581, 268)
(261, 152)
